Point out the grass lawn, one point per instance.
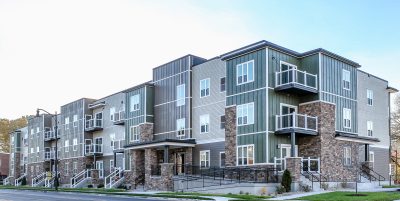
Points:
(376, 196)
(392, 186)
(237, 196)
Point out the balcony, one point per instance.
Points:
(92, 125)
(119, 118)
(297, 123)
(93, 149)
(49, 155)
(50, 135)
(295, 81)
(118, 145)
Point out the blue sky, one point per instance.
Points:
(93, 48)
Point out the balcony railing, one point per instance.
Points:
(93, 124)
(296, 121)
(49, 135)
(296, 77)
(119, 118)
(118, 144)
(93, 149)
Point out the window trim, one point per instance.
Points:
(347, 151)
(370, 95)
(131, 134)
(75, 121)
(202, 117)
(75, 146)
(222, 123)
(373, 157)
(346, 72)
(209, 157)
(220, 84)
(112, 112)
(133, 103)
(370, 124)
(207, 81)
(180, 101)
(247, 156)
(237, 74)
(178, 130)
(344, 119)
(66, 147)
(247, 107)
(220, 154)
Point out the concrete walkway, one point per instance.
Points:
(294, 196)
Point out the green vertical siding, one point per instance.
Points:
(274, 105)
(260, 146)
(274, 141)
(274, 60)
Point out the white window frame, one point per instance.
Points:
(135, 103)
(247, 157)
(245, 72)
(370, 97)
(347, 117)
(37, 149)
(66, 123)
(75, 167)
(32, 131)
(245, 110)
(347, 156)
(205, 121)
(220, 159)
(112, 112)
(370, 128)
(371, 156)
(134, 137)
(75, 122)
(111, 165)
(180, 127)
(75, 144)
(112, 140)
(38, 129)
(222, 122)
(101, 171)
(346, 79)
(204, 85)
(66, 146)
(205, 157)
(66, 168)
(180, 95)
(220, 84)
(32, 150)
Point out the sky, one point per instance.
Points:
(54, 52)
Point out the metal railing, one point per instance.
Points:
(49, 181)
(370, 174)
(18, 181)
(295, 120)
(93, 148)
(313, 176)
(294, 76)
(39, 179)
(114, 178)
(6, 181)
(48, 135)
(93, 123)
(118, 144)
(280, 164)
(80, 177)
(119, 116)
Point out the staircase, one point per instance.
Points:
(18, 181)
(81, 179)
(115, 179)
(49, 181)
(6, 181)
(370, 175)
(39, 180)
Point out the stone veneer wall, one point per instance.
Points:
(83, 162)
(17, 165)
(136, 175)
(30, 176)
(150, 161)
(230, 136)
(325, 146)
(146, 132)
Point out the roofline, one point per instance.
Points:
(392, 89)
(373, 75)
(148, 83)
(264, 43)
(188, 55)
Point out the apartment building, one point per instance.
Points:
(258, 107)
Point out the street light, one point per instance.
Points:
(56, 151)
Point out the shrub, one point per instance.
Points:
(23, 182)
(100, 186)
(280, 189)
(286, 180)
(90, 186)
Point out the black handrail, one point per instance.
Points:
(371, 174)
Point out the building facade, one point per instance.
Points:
(260, 106)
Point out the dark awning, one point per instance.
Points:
(162, 143)
(355, 138)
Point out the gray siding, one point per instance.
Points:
(215, 149)
(378, 113)
(213, 105)
(36, 139)
(381, 160)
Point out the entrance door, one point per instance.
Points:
(287, 73)
(88, 146)
(180, 163)
(100, 168)
(286, 150)
(287, 119)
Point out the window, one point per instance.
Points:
(205, 159)
(111, 165)
(75, 144)
(37, 129)
(112, 139)
(370, 128)
(66, 143)
(244, 72)
(75, 167)
(371, 156)
(134, 134)
(246, 155)
(370, 97)
(66, 123)
(204, 87)
(12, 139)
(66, 166)
(222, 83)
(346, 79)
(32, 131)
(37, 149)
(347, 156)
(180, 127)
(245, 114)
(222, 126)
(204, 123)
(180, 95)
(135, 101)
(222, 159)
(75, 122)
(32, 150)
(112, 112)
(346, 118)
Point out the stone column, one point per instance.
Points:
(293, 164)
(138, 167)
(167, 182)
(230, 136)
(150, 161)
(146, 132)
(94, 174)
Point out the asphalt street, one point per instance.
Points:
(17, 195)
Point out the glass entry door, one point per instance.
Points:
(287, 118)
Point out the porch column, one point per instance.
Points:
(366, 154)
(166, 153)
(293, 144)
